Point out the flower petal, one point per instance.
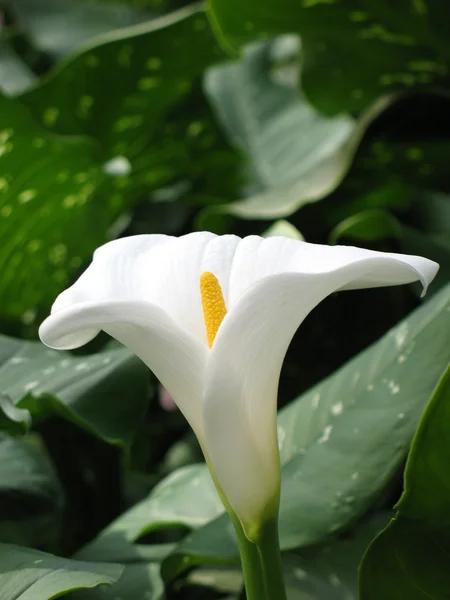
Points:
(116, 272)
(396, 269)
(159, 269)
(243, 370)
(255, 258)
(176, 357)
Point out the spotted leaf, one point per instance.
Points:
(88, 390)
(73, 158)
(47, 186)
(186, 498)
(404, 43)
(27, 573)
(410, 558)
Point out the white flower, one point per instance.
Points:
(145, 292)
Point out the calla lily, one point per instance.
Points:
(213, 316)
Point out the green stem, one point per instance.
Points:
(270, 557)
(250, 561)
(251, 564)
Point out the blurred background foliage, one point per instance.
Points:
(321, 120)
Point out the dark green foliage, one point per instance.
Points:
(122, 117)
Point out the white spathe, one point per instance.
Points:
(145, 292)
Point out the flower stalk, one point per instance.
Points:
(271, 565)
(261, 563)
(260, 559)
(254, 579)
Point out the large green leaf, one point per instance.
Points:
(298, 156)
(119, 149)
(403, 43)
(46, 198)
(92, 391)
(341, 441)
(186, 498)
(30, 495)
(27, 574)
(149, 71)
(213, 544)
(410, 558)
(327, 572)
(330, 572)
(138, 582)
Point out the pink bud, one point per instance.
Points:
(165, 399)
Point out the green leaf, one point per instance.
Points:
(298, 156)
(13, 420)
(46, 21)
(15, 76)
(430, 213)
(46, 199)
(138, 582)
(213, 544)
(220, 579)
(30, 494)
(342, 440)
(328, 572)
(111, 150)
(27, 574)
(149, 71)
(91, 391)
(186, 498)
(283, 228)
(404, 43)
(368, 225)
(410, 558)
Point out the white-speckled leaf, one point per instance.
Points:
(155, 72)
(327, 572)
(185, 498)
(342, 441)
(27, 574)
(138, 582)
(109, 151)
(354, 51)
(47, 187)
(93, 391)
